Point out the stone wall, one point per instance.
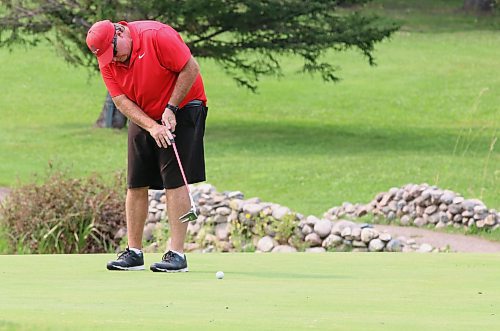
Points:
(228, 222)
(422, 205)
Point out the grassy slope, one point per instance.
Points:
(260, 292)
(427, 113)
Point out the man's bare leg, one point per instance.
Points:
(177, 205)
(136, 207)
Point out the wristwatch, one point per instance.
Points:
(173, 108)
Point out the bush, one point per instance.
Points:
(64, 215)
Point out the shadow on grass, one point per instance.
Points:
(289, 139)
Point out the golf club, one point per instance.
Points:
(191, 214)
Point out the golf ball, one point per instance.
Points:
(219, 275)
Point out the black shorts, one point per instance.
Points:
(157, 168)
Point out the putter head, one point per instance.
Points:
(191, 215)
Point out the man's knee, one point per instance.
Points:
(137, 191)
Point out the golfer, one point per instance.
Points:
(156, 83)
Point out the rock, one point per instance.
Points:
(368, 234)
(189, 247)
(376, 245)
(122, 232)
(346, 233)
(280, 212)
(385, 200)
(311, 220)
(469, 204)
(224, 211)
(361, 211)
(385, 236)
(340, 225)
(440, 225)
(455, 208)
(332, 241)
(235, 195)
(222, 231)
(224, 246)
(152, 248)
(148, 231)
(431, 209)
(306, 229)
(315, 250)
(419, 221)
(265, 244)
(356, 233)
(358, 244)
(405, 220)
(193, 228)
(220, 219)
(210, 239)
(151, 218)
(236, 204)
(323, 228)
(480, 209)
(254, 200)
(467, 213)
(490, 220)
(252, 208)
(349, 208)
(411, 241)
(284, 249)
(425, 248)
(394, 245)
(448, 197)
(313, 239)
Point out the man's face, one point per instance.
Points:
(122, 47)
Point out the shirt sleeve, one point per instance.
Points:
(112, 86)
(173, 53)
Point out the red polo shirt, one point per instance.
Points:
(158, 55)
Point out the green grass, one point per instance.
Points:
(344, 291)
(427, 113)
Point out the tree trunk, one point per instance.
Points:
(110, 116)
(480, 6)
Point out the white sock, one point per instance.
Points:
(135, 250)
(180, 254)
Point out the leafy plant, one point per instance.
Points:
(64, 215)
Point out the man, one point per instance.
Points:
(154, 81)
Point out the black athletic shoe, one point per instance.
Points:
(170, 262)
(127, 260)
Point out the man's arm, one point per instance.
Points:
(185, 80)
(128, 108)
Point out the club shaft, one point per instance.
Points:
(180, 166)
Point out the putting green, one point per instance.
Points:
(332, 291)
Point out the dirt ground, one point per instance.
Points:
(457, 242)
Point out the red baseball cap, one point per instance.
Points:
(100, 41)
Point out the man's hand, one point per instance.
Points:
(168, 119)
(162, 135)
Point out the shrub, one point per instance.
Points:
(64, 215)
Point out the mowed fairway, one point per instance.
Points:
(336, 291)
